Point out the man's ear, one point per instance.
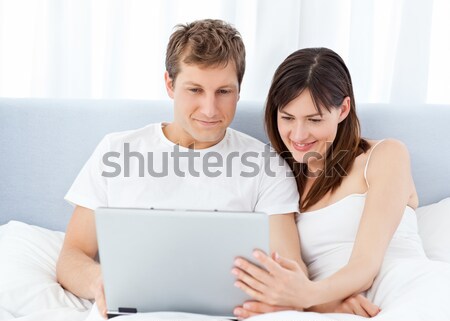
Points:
(169, 84)
(345, 109)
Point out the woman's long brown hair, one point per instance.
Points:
(325, 75)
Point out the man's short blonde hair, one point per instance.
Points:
(205, 43)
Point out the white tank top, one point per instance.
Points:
(327, 235)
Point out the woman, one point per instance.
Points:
(357, 222)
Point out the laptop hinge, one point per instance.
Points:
(127, 310)
(121, 311)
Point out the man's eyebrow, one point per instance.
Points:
(231, 85)
(191, 83)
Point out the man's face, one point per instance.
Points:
(205, 101)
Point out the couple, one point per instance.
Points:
(365, 186)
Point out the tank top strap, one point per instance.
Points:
(368, 159)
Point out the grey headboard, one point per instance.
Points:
(44, 143)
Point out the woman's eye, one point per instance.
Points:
(315, 120)
(286, 118)
(224, 91)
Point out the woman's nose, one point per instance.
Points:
(299, 133)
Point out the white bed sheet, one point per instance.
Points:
(29, 291)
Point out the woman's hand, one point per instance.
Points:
(356, 304)
(282, 283)
(252, 308)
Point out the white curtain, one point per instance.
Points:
(397, 51)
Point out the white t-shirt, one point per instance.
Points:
(143, 169)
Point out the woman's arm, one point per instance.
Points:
(356, 304)
(284, 238)
(390, 187)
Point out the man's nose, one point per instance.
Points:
(208, 106)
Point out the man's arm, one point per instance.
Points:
(76, 270)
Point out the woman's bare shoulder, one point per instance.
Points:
(390, 160)
(388, 148)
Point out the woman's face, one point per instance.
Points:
(305, 133)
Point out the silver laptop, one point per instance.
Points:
(175, 260)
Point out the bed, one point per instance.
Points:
(44, 143)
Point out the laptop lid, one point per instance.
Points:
(175, 260)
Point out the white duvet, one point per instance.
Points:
(29, 292)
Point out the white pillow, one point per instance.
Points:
(434, 228)
(28, 256)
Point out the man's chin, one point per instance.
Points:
(205, 141)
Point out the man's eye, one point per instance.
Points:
(224, 91)
(194, 90)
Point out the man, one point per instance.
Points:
(205, 64)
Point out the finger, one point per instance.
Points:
(371, 308)
(258, 296)
(256, 272)
(101, 302)
(266, 261)
(249, 280)
(243, 313)
(259, 307)
(285, 262)
(357, 308)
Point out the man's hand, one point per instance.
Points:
(99, 296)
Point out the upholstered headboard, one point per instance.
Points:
(44, 143)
